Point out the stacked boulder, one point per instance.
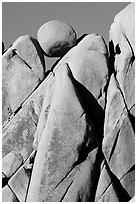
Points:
(68, 136)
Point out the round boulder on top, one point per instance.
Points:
(56, 38)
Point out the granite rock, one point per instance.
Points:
(56, 38)
(29, 50)
(8, 195)
(59, 151)
(10, 163)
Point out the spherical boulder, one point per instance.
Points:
(56, 38)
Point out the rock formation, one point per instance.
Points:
(23, 69)
(69, 133)
(56, 38)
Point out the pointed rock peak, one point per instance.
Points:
(20, 39)
(94, 42)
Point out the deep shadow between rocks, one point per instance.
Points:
(132, 120)
(122, 194)
(91, 106)
(96, 114)
(80, 38)
(39, 51)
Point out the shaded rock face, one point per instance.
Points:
(56, 38)
(67, 133)
(73, 137)
(88, 62)
(22, 71)
(119, 126)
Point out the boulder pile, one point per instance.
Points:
(69, 132)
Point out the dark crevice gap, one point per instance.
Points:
(132, 120)
(29, 171)
(133, 56)
(97, 170)
(90, 105)
(64, 178)
(4, 180)
(96, 114)
(21, 105)
(28, 185)
(111, 69)
(80, 38)
(130, 116)
(130, 170)
(113, 52)
(114, 145)
(54, 65)
(14, 194)
(66, 192)
(58, 60)
(122, 194)
(40, 51)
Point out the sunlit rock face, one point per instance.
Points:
(69, 133)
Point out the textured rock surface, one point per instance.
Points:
(124, 22)
(88, 63)
(19, 184)
(10, 163)
(122, 35)
(18, 82)
(76, 131)
(23, 68)
(8, 195)
(18, 134)
(68, 131)
(29, 50)
(56, 38)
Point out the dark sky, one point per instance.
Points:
(21, 18)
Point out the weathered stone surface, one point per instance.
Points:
(128, 183)
(24, 123)
(109, 195)
(119, 142)
(88, 62)
(37, 97)
(103, 183)
(124, 22)
(122, 36)
(56, 38)
(82, 188)
(10, 163)
(29, 50)
(133, 199)
(68, 132)
(18, 82)
(18, 133)
(49, 89)
(19, 184)
(8, 195)
(114, 109)
(123, 157)
(64, 118)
